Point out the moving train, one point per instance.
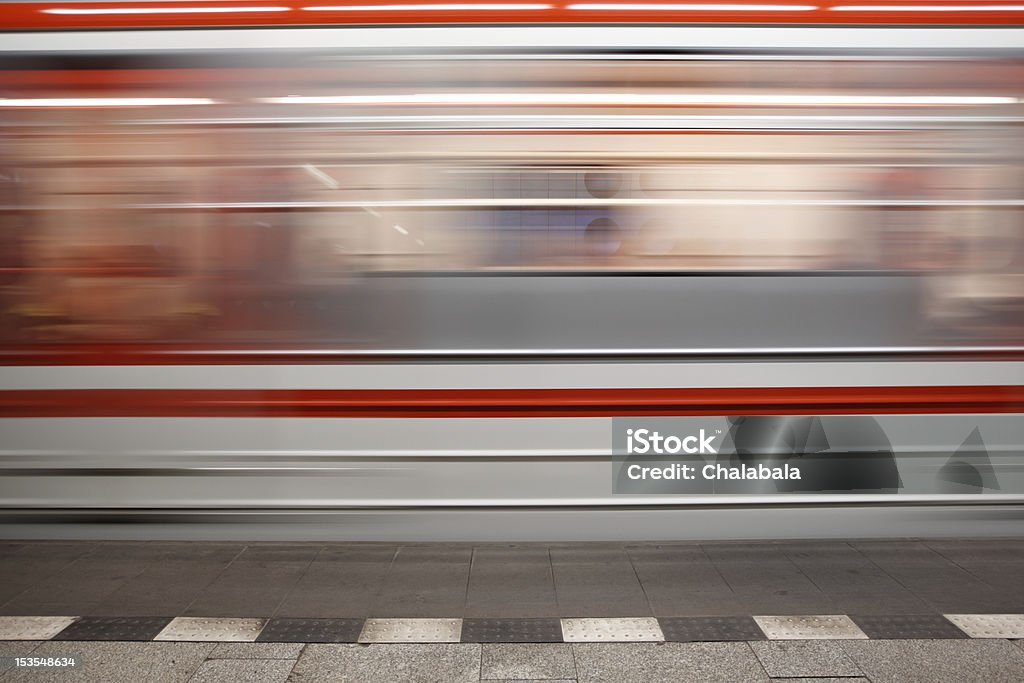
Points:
(407, 271)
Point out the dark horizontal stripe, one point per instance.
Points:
(207, 354)
(620, 273)
(292, 513)
(211, 471)
(508, 402)
(204, 65)
(646, 273)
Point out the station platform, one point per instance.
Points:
(893, 610)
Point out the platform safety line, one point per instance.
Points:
(568, 630)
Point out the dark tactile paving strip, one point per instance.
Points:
(511, 631)
(283, 630)
(922, 626)
(705, 629)
(114, 628)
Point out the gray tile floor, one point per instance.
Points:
(928, 661)
(891, 587)
(358, 580)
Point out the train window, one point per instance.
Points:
(272, 201)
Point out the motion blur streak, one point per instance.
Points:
(160, 10)
(928, 8)
(443, 7)
(637, 99)
(411, 300)
(105, 102)
(688, 7)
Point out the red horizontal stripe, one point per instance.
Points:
(508, 402)
(30, 15)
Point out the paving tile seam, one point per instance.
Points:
(513, 630)
(213, 579)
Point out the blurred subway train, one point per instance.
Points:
(391, 271)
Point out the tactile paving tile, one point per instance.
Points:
(817, 627)
(710, 629)
(511, 631)
(311, 631)
(114, 628)
(411, 631)
(925, 626)
(33, 628)
(212, 629)
(990, 625)
(612, 630)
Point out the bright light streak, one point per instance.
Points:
(689, 7)
(437, 7)
(400, 229)
(321, 176)
(927, 8)
(644, 99)
(160, 10)
(105, 102)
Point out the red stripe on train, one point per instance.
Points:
(508, 402)
(56, 15)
